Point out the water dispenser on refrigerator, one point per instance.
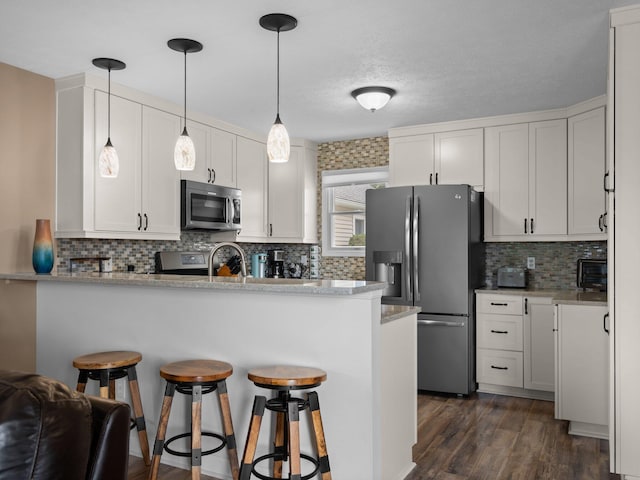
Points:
(388, 269)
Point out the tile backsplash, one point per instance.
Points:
(140, 253)
(555, 262)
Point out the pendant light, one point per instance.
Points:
(373, 98)
(278, 146)
(184, 154)
(108, 162)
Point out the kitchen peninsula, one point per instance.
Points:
(368, 351)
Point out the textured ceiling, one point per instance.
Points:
(447, 59)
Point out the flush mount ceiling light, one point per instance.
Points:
(278, 146)
(184, 155)
(108, 162)
(373, 98)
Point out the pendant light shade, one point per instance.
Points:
(373, 98)
(108, 161)
(184, 153)
(278, 145)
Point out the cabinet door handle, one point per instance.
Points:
(525, 226)
(499, 331)
(604, 219)
(213, 171)
(531, 225)
(431, 179)
(526, 306)
(146, 222)
(495, 304)
(271, 229)
(436, 178)
(604, 322)
(139, 222)
(209, 179)
(604, 184)
(601, 222)
(499, 368)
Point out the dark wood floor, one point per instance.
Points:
(485, 436)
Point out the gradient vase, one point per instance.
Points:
(42, 258)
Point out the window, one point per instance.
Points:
(344, 209)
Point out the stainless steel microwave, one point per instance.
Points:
(204, 206)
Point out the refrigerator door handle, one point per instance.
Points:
(440, 323)
(416, 236)
(406, 264)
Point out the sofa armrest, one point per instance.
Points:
(109, 457)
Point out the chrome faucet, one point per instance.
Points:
(218, 246)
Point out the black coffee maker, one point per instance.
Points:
(275, 263)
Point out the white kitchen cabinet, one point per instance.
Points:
(142, 201)
(539, 372)
(623, 125)
(252, 180)
(444, 158)
(215, 155)
(499, 357)
(144, 197)
(526, 181)
(292, 197)
(160, 203)
(582, 369)
(514, 345)
(586, 168)
(117, 200)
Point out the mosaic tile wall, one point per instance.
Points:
(140, 253)
(555, 261)
(359, 153)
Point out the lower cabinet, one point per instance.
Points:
(514, 345)
(582, 369)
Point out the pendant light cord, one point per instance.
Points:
(278, 77)
(109, 105)
(185, 88)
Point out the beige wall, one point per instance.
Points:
(359, 153)
(27, 192)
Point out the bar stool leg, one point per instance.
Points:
(158, 446)
(141, 426)
(112, 389)
(294, 440)
(259, 404)
(196, 431)
(225, 409)
(104, 383)
(83, 376)
(278, 445)
(323, 457)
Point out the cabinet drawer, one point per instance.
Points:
(499, 304)
(499, 367)
(502, 332)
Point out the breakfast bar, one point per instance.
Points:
(368, 351)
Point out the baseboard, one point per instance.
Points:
(589, 430)
(516, 392)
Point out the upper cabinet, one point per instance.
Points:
(526, 181)
(454, 157)
(252, 180)
(142, 201)
(587, 158)
(215, 155)
(292, 196)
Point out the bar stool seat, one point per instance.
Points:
(107, 367)
(284, 379)
(196, 378)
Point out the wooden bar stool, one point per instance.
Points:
(283, 379)
(107, 367)
(195, 378)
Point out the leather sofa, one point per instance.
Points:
(50, 432)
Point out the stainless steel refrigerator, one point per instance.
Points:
(426, 243)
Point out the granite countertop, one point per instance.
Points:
(393, 312)
(266, 285)
(564, 297)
